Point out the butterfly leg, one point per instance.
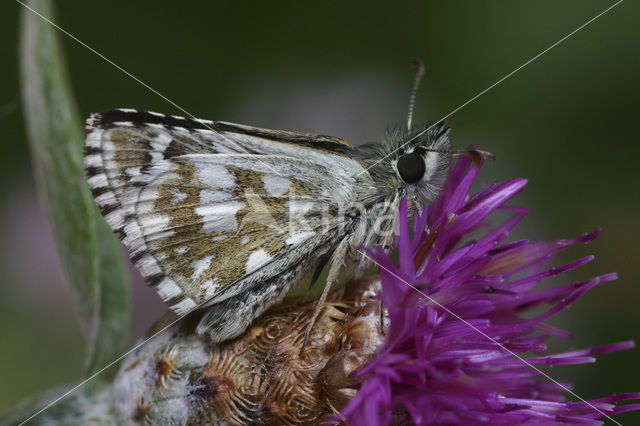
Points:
(336, 261)
(381, 314)
(415, 204)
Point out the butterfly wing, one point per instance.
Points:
(208, 211)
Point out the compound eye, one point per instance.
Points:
(411, 167)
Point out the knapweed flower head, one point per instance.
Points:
(464, 340)
(464, 344)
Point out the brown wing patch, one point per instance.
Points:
(203, 257)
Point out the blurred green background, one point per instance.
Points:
(567, 121)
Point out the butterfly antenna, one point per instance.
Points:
(419, 67)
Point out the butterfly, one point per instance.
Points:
(230, 217)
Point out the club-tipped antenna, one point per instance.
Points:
(418, 65)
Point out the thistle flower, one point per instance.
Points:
(463, 342)
(459, 347)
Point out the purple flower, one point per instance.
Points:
(464, 344)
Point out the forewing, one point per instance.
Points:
(125, 143)
(203, 226)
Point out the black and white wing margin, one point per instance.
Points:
(213, 211)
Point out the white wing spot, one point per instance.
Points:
(115, 219)
(256, 260)
(220, 217)
(148, 266)
(93, 137)
(208, 196)
(184, 306)
(182, 250)
(152, 224)
(209, 287)
(98, 181)
(200, 266)
(148, 195)
(177, 196)
(275, 185)
(133, 171)
(93, 160)
(134, 238)
(155, 125)
(106, 199)
(215, 176)
(168, 289)
(161, 142)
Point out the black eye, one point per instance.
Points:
(411, 167)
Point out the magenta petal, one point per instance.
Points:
(451, 345)
(404, 239)
(470, 216)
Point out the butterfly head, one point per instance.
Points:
(420, 159)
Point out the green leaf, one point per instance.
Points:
(88, 251)
(113, 318)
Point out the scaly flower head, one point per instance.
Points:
(463, 343)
